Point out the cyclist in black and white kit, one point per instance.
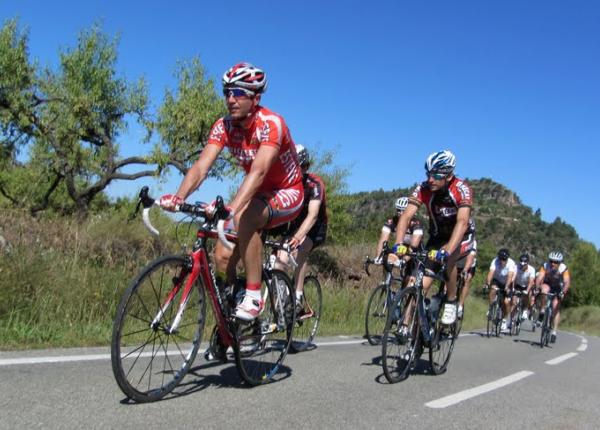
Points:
(309, 229)
(501, 276)
(554, 277)
(414, 233)
(524, 280)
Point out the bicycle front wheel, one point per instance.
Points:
(261, 345)
(491, 318)
(376, 316)
(401, 336)
(157, 329)
(545, 331)
(442, 344)
(307, 320)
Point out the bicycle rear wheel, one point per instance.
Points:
(261, 345)
(401, 337)
(442, 344)
(149, 355)
(515, 325)
(498, 320)
(376, 315)
(307, 321)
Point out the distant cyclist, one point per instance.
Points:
(501, 276)
(448, 200)
(309, 229)
(414, 232)
(554, 277)
(524, 280)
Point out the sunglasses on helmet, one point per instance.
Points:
(237, 92)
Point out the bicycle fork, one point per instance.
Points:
(184, 298)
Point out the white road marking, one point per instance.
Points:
(561, 358)
(67, 358)
(453, 399)
(584, 344)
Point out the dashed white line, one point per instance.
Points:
(561, 358)
(453, 399)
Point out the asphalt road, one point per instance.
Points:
(490, 383)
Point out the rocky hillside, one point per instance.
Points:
(501, 219)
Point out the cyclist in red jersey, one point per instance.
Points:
(309, 229)
(271, 192)
(451, 229)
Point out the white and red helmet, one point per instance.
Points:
(246, 76)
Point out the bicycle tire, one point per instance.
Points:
(398, 351)
(535, 314)
(491, 317)
(307, 323)
(376, 314)
(545, 330)
(442, 345)
(261, 346)
(144, 367)
(498, 319)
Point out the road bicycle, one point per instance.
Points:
(494, 315)
(548, 320)
(308, 310)
(414, 323)
(160, 320)
(382, 297)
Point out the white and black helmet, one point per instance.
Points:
(303, 157)
(440, 162)
(555, 256)
(246, 76)
(401, 203)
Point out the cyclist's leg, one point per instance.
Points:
(250, 222)
(556, 311)
(225, 262)
(302, 259)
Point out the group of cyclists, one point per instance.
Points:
(279, 195)
(509, 278)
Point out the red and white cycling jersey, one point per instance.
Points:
(443, 206)
(266, 128)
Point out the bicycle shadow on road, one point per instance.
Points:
(198, 379)
(533, 343)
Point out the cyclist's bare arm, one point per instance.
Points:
(540, 278)
(385, 236)
(566, 281)
(415, 240)
(309, 221)
(462, 223)
(199, 171)
(490, 275)
(530, 284)
(265, 157)
(404, 220)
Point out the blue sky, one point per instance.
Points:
(512, 87)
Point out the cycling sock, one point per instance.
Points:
(253, 286)
(299, 295)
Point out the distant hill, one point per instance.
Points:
(502, 220)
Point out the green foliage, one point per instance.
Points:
(69, 122)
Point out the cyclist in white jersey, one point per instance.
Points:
(501, 276)
(524, 279)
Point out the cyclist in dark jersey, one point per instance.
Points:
(451, 230)
(309, 229)
(554, 277)
(414, 233)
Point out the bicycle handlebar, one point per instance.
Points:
(221, 213)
